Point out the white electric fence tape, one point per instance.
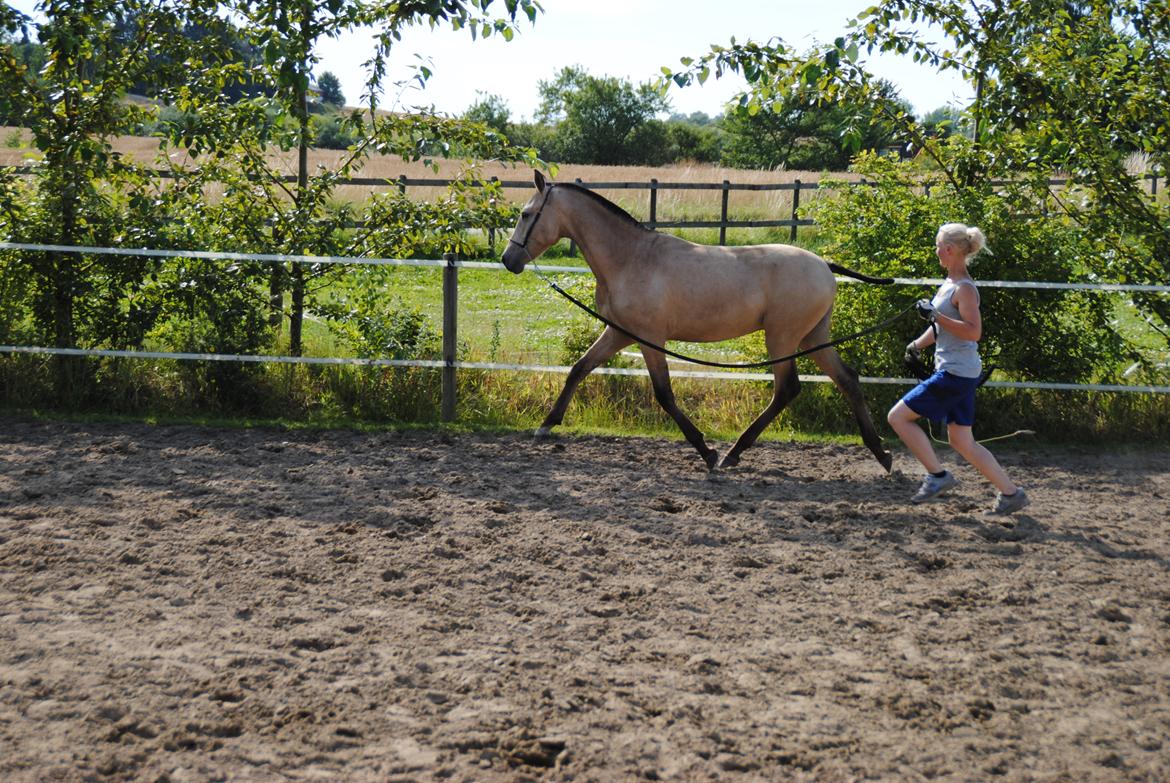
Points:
(737, 376)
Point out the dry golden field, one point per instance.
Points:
(672, 204)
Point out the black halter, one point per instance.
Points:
(528, 234)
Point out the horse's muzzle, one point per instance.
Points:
(515, 258)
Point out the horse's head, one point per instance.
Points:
(532, 235)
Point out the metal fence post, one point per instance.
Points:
(450, 308)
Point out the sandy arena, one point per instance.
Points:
(195, 604)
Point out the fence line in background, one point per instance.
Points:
(653, 186)
(449, 364)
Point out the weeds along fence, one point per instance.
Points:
(450, 364)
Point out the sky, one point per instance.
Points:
(629, 39)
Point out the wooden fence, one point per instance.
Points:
(653, 187)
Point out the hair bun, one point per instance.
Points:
(976, 240)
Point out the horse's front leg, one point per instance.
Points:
(610, 342)
(660, 379)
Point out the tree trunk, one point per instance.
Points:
(297, 314)
(67, 369)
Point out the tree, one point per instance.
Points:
(698, 141)
(286, 32)
(329, 86)
(85, 193)
(602, 120)
(491, 110)
(799, 131)
(944, 121)
(1062, 87)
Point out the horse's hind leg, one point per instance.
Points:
(785, 387)
(660, 379)
(847, 381)
(610, 342)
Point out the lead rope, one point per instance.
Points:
(930, 429)
(727, 365)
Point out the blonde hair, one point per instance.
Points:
(963, 237)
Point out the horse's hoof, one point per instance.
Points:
(729, 461)
(712, 459)
(887, 460)
(542, 433)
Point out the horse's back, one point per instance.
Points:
(708, 292)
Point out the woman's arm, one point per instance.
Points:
(924, 340)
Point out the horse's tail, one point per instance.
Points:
(858, 275)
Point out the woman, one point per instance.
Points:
(949, 394)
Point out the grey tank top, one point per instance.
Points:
(956, 356)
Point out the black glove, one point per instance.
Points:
(912, 360)
(925, 310)
(913, 353)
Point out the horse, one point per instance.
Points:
(660, 287)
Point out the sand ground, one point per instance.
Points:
(191, 604)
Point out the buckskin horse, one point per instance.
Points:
(659, 287)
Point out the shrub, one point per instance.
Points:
(887, 226)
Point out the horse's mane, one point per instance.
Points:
(603, 201)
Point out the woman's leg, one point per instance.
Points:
(904, 422)
(963, 441)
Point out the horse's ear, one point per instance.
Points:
(539, 180)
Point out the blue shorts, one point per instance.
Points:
(944, 397)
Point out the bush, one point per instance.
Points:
(888, 226)
(689, 141)
(336, 131)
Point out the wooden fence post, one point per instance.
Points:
(723, 213)
(572, 244)
(795, 207)
(492, 229)
(450, 309)
(653, 202)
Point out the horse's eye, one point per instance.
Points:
(525, 215)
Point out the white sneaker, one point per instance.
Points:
(1009, 504)
(933, 486)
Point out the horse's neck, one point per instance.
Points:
(606, 240)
